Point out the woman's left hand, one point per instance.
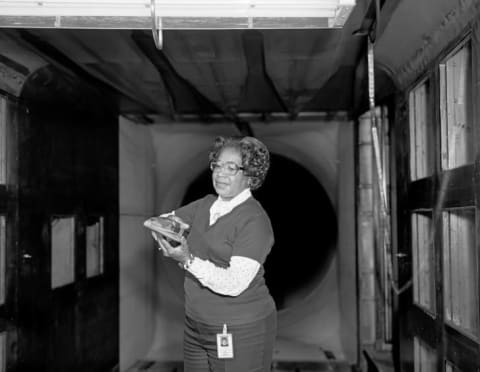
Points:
(180, 253)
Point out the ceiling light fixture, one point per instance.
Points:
(176, 14)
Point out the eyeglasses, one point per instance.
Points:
(229, 168)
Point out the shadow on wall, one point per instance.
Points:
(304, 223)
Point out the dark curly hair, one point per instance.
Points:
(255, 156)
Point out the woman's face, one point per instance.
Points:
(226, 185)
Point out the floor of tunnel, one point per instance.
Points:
(289, 356)
(277, 366)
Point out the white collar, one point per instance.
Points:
(237, 200)
(221, 207)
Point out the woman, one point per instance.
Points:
(230, 317)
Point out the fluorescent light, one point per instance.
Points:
(333, 10)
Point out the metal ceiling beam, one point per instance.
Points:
(185, 97)
(260, 94)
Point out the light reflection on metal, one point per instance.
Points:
(156, 26)
(341, 15)
(181, 13)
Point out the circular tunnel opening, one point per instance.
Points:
(304, 224)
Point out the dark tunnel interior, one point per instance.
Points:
(304, 224)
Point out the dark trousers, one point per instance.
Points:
(252, 346)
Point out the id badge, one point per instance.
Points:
(224, 344)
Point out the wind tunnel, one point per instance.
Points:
(309, 195)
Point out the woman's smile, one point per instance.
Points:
(221, 183)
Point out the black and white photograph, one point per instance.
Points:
(239, 185)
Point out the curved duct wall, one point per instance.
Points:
(308, 158)
(290, 195)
